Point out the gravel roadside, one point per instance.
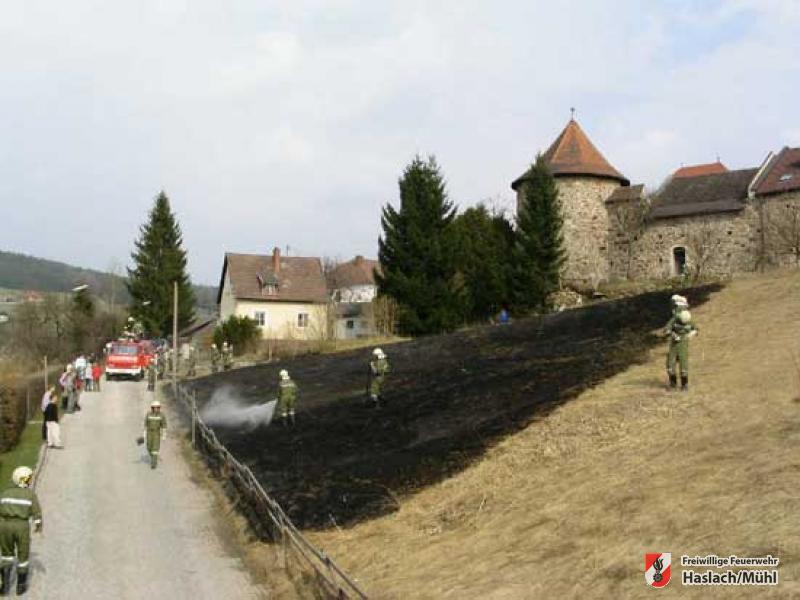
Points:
(114, 528)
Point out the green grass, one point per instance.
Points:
(25, 453)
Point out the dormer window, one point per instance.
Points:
(269, 285)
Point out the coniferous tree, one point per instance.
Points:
(416, 253)
(82, 313)
(539, 246)
(159, 261)
(484, 246)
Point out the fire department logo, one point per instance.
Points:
(657, 569)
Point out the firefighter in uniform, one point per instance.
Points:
(191, 362)
(18, 506)
(227, 356)
(287, 397)
(169, 354)
(155, 430)
(680, 330)
(160, 362)
(151, 376)
(215, 357)
(378, 369)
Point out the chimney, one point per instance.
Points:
(359, 260)
(276, 260)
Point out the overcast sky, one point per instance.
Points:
(288, 123)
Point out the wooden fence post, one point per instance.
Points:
(194, 416)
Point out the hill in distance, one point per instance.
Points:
(22, 272)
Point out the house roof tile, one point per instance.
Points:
(704, 194)
(782, 175)
(697, 170)
(626, 194)
(359, 271)
(573, 153)
(299, 279)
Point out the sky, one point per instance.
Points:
(288, 123)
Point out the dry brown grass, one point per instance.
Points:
(568, 507)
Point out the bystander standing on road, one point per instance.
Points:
(80, 365)
(67, 382)
(49, 393)
(97, 374)
(87, 376)
(51, 422)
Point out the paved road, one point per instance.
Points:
(114, 528)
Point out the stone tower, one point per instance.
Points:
(585, 180)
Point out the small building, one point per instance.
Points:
(286, 295)
(353, 289)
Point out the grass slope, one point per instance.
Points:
(567, 507)
(448, 399)
(26, 452)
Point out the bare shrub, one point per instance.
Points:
(703, 243)
(783, 229)
(384, 313)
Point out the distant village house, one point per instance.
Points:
(290, 298)
(353, 290)
(286, 295)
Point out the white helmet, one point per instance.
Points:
(22, 476)
(214, 346)
(678, 300)
(283, 374)
(378, 352)
(224, 344)
(684, 316)
(155, 404)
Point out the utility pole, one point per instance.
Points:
(175, 333)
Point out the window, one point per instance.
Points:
(260, 318)
(350, 324)
(271, 289)
(302, 320)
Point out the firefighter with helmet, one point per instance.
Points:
(227, 356)
(680, 329)
(215, 358)
(287, 397)
(378, 369)
(18, 507)
(155, 430)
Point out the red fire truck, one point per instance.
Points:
(126, 359)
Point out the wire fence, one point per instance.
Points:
(265, 515)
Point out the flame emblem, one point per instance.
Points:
(658, 565)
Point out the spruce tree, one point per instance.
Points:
(484, 245)
(539, 246)
(160, 260)
(416, 253)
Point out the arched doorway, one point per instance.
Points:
(678, 260)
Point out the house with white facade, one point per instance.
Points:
(353, 288)
(287, 296)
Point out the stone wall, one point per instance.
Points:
(781, 221)
(714, 245)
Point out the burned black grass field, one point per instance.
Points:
(447, 400)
